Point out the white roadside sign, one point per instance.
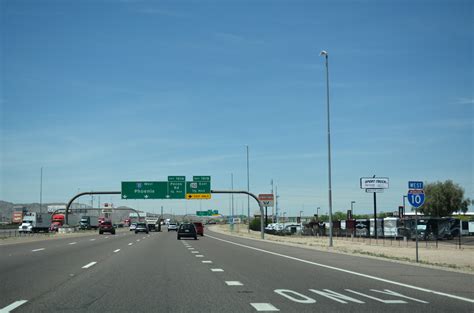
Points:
(374, 183)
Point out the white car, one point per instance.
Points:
(173, 226)
(133, 226)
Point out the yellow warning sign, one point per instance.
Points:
(198, 196)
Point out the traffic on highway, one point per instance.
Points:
(217, 273)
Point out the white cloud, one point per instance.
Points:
(463, 100)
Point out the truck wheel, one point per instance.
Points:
(179, 238)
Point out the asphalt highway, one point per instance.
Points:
(217, 273)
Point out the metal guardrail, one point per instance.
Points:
(8, 233)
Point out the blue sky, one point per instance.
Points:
(99, 92)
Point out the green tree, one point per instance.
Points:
(442, 199)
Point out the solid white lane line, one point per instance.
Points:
(92, 239)
(199, 256)
(207, 262)
(116, 250)
(233, 283)
(89, 265)
(13, 306)
(72, 243)
(264, 307)
(131, 243)
(217, 270)
(349, 272)
(35, 250)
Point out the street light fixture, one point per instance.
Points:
(325, 54)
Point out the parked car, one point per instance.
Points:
(199, 228)
(133, 226)
(106, 227)
(172, 226)
(187, 230)
(141, 228)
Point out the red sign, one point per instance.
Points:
(265, 197)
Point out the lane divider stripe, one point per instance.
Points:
(349, 272)
(13, 306)
(89, 265)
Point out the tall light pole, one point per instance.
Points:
(352, 207)
(317, 212)
(41, 191)
(301, 222)
(248, 190)
(325, 54)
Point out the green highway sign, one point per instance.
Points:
(198, 187)
(207, 213)
(202, 178)
(144, 190)
(177, 178)
(175, 188)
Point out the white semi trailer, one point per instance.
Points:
(34, 222)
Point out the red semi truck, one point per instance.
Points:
(57, 220)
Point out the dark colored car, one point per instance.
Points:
(199, 228)
(141, 228)
(106, 227)
(187, 230)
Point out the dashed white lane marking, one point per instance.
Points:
(144, 237)
(207, 262)
(264, 307)
(199, 256)
(349, 272)
(89, 265)
(233, 283)
(36, 250)
(92, 239)
(190, 248)
(107, 237)
(116, 250)
(217, 270)
(13, 306)
(194, 251)
(72, 243)
(131, 243)
(138, 240)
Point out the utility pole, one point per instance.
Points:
(276, 200)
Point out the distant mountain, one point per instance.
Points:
(7, 209)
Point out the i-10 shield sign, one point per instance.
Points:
(416, 197)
